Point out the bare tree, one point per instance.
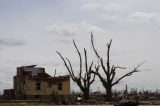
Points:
(82, 80)
(108, 81)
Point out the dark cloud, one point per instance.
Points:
(64, 41)
(11, 42)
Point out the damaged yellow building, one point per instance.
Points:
(34, 82)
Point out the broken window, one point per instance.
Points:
(37, 96)
(38, 85)
(49, 83)
(23, 85)
(60, 86)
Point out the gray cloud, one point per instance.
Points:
(10, 42)
(64, 41)
(144, 16)
(59, 30)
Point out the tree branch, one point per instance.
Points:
(128, 74)
(92, 42)
(92, 79)
(86, 64)
(103, 67)
(80, 58)
(100, 77)
(71, 69)
(66, 65)
(113, 69)
(108, 59)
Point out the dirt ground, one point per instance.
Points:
(38, 104)
(26, 104)
(30, 103)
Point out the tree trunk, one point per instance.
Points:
(86, 94)
(109, 94)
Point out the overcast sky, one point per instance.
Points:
(31, 31)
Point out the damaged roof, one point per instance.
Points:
(39, 73)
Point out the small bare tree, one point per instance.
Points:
(82, 80)
(108, 81)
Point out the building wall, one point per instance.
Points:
(44, 89)
(29, 88)
(19, 84)
(65, 88)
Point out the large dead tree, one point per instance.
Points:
(109, 80)
(85, 78)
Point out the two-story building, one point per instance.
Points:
(34, 82)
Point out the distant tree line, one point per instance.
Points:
(140, 94)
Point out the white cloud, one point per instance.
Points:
(115, 7)
(112, 17)
(143, 16)
(91, 6)
(105, 7)
(122, 10)
(68, 30)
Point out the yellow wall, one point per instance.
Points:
(65, 88)
(45, 90)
